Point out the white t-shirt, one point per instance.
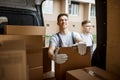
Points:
(87, 38)
(67, 39)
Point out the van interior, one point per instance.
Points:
(29, 12)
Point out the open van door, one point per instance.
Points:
(99, 55)
(21, 12)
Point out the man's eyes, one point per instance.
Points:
(64, 20)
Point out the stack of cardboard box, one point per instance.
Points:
(13, 60)
(34, 41)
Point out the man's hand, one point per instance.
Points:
(81, 47)
(59, 58)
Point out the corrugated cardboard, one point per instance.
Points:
(113, 37)
(34, 58)
(36, 73)
(32, 41)
(13, 60)
(33, 45)
(24, 30)
(46, 60)
(84, 74)
(34, 38)
(75, 61)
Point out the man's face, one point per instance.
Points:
(87, 27)
(63, 22)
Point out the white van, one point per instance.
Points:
(21, 12)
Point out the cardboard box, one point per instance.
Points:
(13, 60)
(35, 58)
(46, 61)
(113, 39)
(32, 41)
(24, 30)
(33, 45)
(75, 61)
(36, 73)
(90, 73)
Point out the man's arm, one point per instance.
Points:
(78, 37)
(51, 51)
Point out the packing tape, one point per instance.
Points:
(93, 74)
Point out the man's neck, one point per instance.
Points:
(65, 31)
(85, 33)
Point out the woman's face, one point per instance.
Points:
(63, 22)
(87, 27)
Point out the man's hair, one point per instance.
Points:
(62, 14)
(85, 22)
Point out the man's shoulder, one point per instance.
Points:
(54, 36)
(76, 34)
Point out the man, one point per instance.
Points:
(86, 34)
(64, 38)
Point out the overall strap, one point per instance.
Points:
(92, 40)
(91, 48)
(73, 38)
(60, 40)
